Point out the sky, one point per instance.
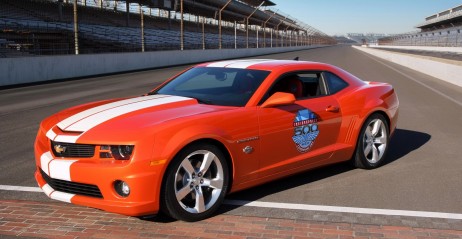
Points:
(338, 17)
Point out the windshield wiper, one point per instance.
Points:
(203, 101)
(199, 100)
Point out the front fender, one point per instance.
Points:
(172, 144)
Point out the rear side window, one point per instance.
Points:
(334, 83)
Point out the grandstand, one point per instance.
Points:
(443, 29)
(344, 40)
(442, 20)
(369, 38)
(46, 27)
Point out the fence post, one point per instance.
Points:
(76, 29)
(203, 33)
(235, 35)
(271, 37)
(181, 27)
(142, 28)
(256, 28)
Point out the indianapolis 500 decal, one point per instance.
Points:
(305, 130)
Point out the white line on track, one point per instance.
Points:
(370, 211)
(303, 207)
(20, 188)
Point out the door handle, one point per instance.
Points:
(333, 109)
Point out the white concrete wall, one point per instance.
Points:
(421, 48)
(444, 71)
(37, 69)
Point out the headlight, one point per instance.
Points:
(119, 152)
(122, 152)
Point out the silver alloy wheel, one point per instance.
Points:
(375, 141)
(199, 181)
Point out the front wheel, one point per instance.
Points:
(372, 143)
(196, 183)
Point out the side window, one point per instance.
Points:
(302, 85)
(334, 83)
(313, 85)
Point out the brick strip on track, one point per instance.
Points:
(66, 221)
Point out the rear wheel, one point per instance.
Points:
(372, 143)
(196, 183)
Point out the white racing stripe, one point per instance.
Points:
(63, 197)
(369, 211)
(45, 160)
(93, 120)
(47, 189)
(56, 168)
(50, 192)
(86, 113)
(221, 63)
(60, 169)
(66, 138)
(244, 65)
(51, 134)
(87, 119)
(241, 64)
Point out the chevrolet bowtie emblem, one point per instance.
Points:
(60, 149)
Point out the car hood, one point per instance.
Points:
(124, 118)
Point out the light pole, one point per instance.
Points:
(76, 29)
(247, 23)
(264, 28)
(219, 23)
(142, 28)
(181, 27)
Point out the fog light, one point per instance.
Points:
(122, 188)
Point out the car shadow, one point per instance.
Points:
(402, 143)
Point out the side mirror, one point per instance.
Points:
(279, 98)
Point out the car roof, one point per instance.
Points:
(264, 64)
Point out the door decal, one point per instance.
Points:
(305, 130)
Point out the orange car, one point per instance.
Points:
(215, 128)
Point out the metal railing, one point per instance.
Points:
(45, 27)
(449, 37)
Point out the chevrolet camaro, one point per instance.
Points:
(213, 129)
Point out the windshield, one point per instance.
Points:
(216, 86)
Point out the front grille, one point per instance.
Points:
(72, 187)
(69, 150)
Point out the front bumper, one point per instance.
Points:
(71, 177)
(141, 201)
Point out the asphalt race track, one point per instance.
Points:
(423, 171)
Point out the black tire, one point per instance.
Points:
(199, 191)
(373, 142)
